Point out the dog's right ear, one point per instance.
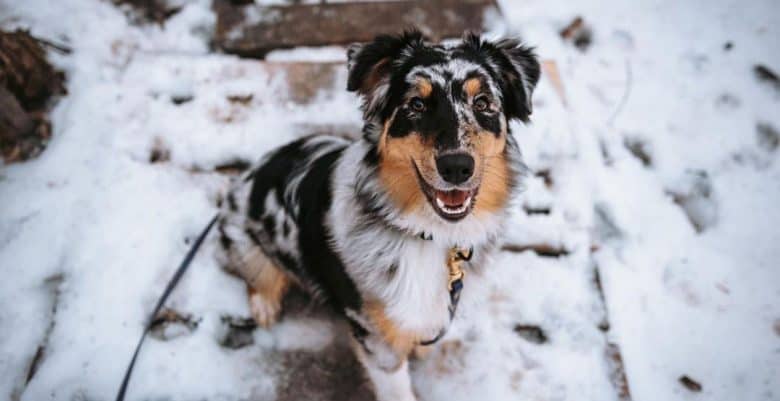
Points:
(371, 65)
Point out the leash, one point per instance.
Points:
(454, 285)
(171, 284)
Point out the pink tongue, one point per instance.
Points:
(453, 198)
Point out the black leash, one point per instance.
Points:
(171, 284)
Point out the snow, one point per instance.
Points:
(673, 262)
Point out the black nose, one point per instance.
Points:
(456, 168)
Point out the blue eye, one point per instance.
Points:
(417, 104)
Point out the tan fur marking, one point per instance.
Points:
(402, 342)
(396, 171)
(472, 86)
(271, 282)
(424, 87)
(267, 285)
(494, 190)
(377, 73)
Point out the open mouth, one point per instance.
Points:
(451, 205)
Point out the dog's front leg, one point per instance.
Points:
(387, 368)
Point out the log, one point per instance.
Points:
(25, 71)
(253, 30)
(27, 82)
(14, 121)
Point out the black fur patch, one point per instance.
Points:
(319, 260)
(271, 175)
(251, 234)
(438, 122)
(510, 64)
(490, 122)
(224, 240)
(269, 225)
(231, 198)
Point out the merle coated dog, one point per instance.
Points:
(369, 225)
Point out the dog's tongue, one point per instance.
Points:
(453, 198)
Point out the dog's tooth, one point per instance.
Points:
(440, 203)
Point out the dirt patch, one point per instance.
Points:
(531, 333)
(333, 374)
(640, 149)
(767, 76)
(170, 324)
(145, 11)
(578, 33)
(767, 136)
(690, 384)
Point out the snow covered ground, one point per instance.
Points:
(655, 196)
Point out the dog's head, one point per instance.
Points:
(439, 118)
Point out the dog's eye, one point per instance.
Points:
(481, 104)
(417, 104)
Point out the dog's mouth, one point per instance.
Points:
(454, 204)
(451, 204)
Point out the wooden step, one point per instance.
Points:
(253, 30)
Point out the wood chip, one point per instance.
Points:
(238, 332)
(544, 250)
(531, 333)
(578, 33)
(690, 384)
(550, 70)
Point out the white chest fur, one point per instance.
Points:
(416, 297)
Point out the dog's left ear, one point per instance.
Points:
(370, 66)
(517, 68)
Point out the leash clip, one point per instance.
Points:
(456, 272)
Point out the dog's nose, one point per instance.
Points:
(455, 168)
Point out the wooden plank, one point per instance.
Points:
(252, 30)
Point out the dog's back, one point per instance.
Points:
(272, 229)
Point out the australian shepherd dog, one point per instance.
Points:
(370, 225)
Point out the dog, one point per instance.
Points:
(383, 227)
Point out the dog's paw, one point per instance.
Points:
(264, 311)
